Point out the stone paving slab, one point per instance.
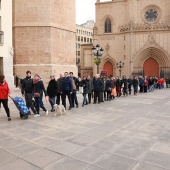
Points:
(127, 133)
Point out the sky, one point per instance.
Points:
(85, 10)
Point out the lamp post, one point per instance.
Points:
(98, 52)
(120, 65)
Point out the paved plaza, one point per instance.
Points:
(127, 133)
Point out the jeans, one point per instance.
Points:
(135, 89)
(5, 105)
(52, 102)
(151, 88)
(159, 86)
(38, 104)
(74, 98)
(85, 98)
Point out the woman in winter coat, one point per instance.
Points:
(108, 88)
(135, 84)
(124, 85)
(38, 91)
(84, 84)
(4, 91)
(52, 91)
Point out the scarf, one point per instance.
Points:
(36, 80)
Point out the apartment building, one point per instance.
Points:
(84, 35)
(6, 49)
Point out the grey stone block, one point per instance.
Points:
(112, 162)
(6, 157)
(157, 159)
(64, 147)
(82, 140)
(88, 155)
(43, 158)
(18, 165)
(68, 163)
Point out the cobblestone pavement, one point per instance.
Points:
(127, 133)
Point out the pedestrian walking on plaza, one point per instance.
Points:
(27, 91)
(67, 90)
(118, 86)
(4, 92)
(84, 85)
(52, 91)
(141, 84)
(90, 88)
(135, 83)
(38, 89)
(98, 84)
(108, 88)
(146, 85)
(59, 89)
(125, 86)
(129, 80)
(76, 85)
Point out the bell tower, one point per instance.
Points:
(44, 37)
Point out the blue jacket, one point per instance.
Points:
(67, 84)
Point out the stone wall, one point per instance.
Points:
(44, 37)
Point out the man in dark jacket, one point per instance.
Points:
(76, 85)
(90, 88)
(129, 80)
(67, 89)
(118, 86)
(59, 89)
(98, 84)
(52, 91)
(27, 90)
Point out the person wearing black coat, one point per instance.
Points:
(135, 83)
(90, 88)
(109, 88)
(27, 91)
(84, 84)
(125, 85)
(129, 80)
(38, 91)
(76, 85)
(118, 86)
(67, 90)
(52, 91)
(59, 89)
(98, 84)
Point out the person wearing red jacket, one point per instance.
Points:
(4, 91)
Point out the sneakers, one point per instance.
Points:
(46, 113)
(36, 115)
(9, 118)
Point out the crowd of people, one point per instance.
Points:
(94, 90)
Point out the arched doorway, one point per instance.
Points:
(109, 67)
(151, 68)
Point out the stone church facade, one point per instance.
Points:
(135, 32)
(44, 37)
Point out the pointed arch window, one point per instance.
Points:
(107, 25)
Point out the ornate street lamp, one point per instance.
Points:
(98, 52)
(120, 65)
